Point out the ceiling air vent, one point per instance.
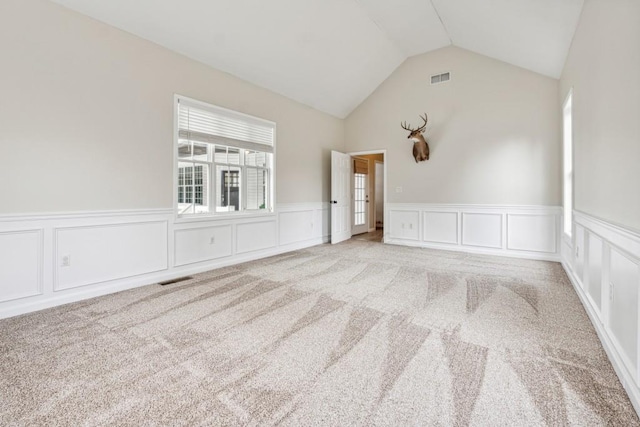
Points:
(440, 78)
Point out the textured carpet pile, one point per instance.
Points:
(354, 334)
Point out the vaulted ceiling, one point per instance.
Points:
(331, 54)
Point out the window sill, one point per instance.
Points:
(222, 217)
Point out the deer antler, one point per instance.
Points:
(405, 126)
(421, 128)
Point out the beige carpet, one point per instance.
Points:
(356, 334)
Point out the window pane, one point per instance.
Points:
(255, 158)
(220, 154)
(228, 183)
(256, 188)
(567, 138)
(359, 201)
(233, 156)
(193, 188)
(200, 151)
(184, 149)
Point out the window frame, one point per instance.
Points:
(567, 159)
(213, 183)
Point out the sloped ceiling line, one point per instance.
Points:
(349, 47)
(444, 26)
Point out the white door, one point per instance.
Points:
(340, 197)
(360, 203)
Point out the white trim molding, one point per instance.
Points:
(55, 259)
(506, 230)
(602, 261)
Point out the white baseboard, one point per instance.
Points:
(66, 257)
(531, 232)
(602, 260)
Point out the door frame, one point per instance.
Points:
(384, 190)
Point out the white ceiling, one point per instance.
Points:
(331, 54)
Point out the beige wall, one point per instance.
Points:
(494, 131)
(603, 67)
(87, 117)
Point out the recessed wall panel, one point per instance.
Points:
(578, 253)
(482, 229)
(404, 225)
(528, 232)
(20, 264)
(255, 236)
(440, 227)
(624, 282)
(594, 275)
(202, 244)
(94, 254)
(296, 226)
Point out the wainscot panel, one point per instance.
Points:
(532, 232)
(440, 227)
(254, 236)
(296, 226)
(404, 224)
(87, 255)
(54, 259)
(202, 243)
(516, 231)
(482, 229)
(603, 262)
(21, 264)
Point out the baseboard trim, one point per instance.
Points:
(476, 250)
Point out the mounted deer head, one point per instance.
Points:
(420, 146)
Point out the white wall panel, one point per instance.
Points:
(255, 236)
(202, 244)
(109, 251)
(578, 253)
(101, 253)
(606, 276)
(323, 217)
(404, 225)
(296, 226)
(20, 264)
(482, 229)
(527, 232)
(593, 285)
(623, 321)
(440, 227)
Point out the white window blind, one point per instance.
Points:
(219, 126)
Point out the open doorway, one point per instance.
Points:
(367, 194)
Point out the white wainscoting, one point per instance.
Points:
(517, 231)
(48, 260)
(20, 264)
(90, 254)
(603, 262)
(202, 243)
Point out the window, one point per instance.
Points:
(190, 185)
(224, 160)
(567, 164)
